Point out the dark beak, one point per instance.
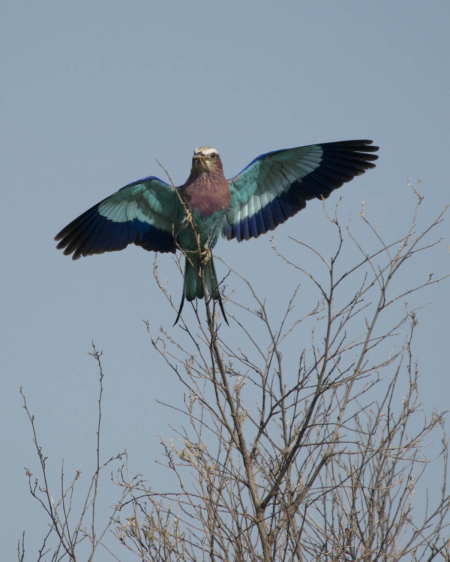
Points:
(199, 160)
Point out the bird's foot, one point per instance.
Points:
(205, 256)
(188, 219)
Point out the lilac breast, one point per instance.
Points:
(207, 194)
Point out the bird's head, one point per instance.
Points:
(206, 159)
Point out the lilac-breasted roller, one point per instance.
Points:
(272, 188)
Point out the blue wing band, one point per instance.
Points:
(142, 213)
(277, 185)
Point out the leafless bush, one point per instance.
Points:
(305, 464)
(68, 529)
(321, 459)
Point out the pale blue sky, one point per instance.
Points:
(93, 92)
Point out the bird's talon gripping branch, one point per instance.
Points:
(272, 188)
(188, 219)
(206, 256)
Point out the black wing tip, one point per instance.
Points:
(353, 142)
(67, 230)
(368, 146)
(64, 245)
(362, 145)
(61, 234)
(362, 150)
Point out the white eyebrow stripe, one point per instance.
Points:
(204, 151)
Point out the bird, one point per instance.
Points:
(160, 217)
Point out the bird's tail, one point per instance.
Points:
(193, 283)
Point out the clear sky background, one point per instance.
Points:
(92, 93)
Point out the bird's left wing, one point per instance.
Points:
(146, 212)
(276, 185)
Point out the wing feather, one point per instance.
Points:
(146, 212)
(275, 186)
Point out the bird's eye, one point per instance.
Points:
(213, 155)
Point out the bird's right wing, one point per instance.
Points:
(146, 212)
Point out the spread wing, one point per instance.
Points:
(276, 185)
(144, 213)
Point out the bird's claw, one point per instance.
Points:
(205, 256)
(188, 219)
